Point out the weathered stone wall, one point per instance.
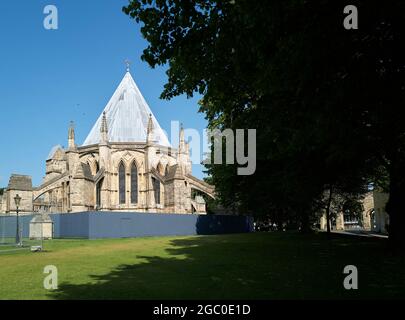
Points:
(82, 195)
(381, 218)
(323, 222)
(26, 201)
(340, 223)
(41, 230)
(3, 202)
(368, 206)
(19, 185)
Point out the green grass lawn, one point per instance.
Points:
(248, 266)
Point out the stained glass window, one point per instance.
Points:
(156, 189)
(134, 184)
(121, 174)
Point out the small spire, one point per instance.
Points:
(150, 124)
(71, 135)
(149, 130)
(182, 145)
(71, 130)
(181, 133)
(104, 127)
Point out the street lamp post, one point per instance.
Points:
(17, 200)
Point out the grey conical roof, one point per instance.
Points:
(127, 117)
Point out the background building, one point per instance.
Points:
(372, 218)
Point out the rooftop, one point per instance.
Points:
(20, 182)
(127, 115)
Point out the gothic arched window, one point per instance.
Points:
(99, 186)
(121, 183)
(156, 189)
(134, 184)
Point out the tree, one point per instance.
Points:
(322, 98)
(337, 199)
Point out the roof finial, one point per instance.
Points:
(149, 130)
(150, 124)
(182, 141)
(71, 127)
(71, 135)
(104, 127)
(128, 64)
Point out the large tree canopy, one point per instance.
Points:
(327, 102)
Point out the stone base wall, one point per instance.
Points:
(26, 204)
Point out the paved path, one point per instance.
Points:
(361, 233)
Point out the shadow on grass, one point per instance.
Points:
(251, 266)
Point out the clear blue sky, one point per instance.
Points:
(50, 77)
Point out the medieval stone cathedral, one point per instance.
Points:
(125, 164)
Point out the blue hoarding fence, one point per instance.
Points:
(8, 225)
(99, 225)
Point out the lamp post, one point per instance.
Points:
(17, 200)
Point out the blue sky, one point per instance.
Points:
(50, 77)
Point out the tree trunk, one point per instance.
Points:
(328, 210)
(396, 203)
